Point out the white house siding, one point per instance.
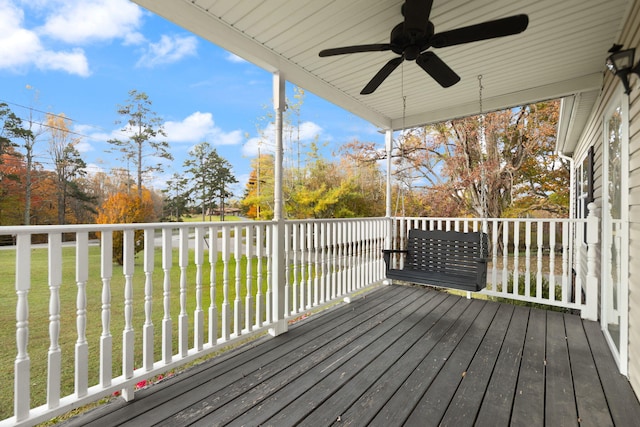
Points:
(593, 136)
(632, 39)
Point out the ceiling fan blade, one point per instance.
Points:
(486, 30)
(381, 75)
(436, 68)
(355, 49)
(416, 16)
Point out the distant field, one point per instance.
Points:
(214, 218)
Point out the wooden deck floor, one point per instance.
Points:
(400, 356)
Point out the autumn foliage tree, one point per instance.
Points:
(124, 208)
(503, 163)
(323, 188)
(67, 163)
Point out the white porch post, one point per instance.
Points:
(278, 277)
(593, 227)
(388, 142)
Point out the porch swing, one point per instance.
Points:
(450, 259)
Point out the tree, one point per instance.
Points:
(143, 128)
(12, 169)
(67, 163)
(258, 197)
(211, 175)
(506, 156)
(124, 208)
(11, 128)
(176, 197)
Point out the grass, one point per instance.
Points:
(39, 314)
(213, 218)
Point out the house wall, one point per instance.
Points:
(593, 136)
(632, 39)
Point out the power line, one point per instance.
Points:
(60, 116)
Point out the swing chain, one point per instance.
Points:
(483, 173)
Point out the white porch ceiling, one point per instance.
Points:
(561, 53)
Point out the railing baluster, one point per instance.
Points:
(516, 257)
(213, 304)
(320, 263)
(505, 258)
(259, 297)
(494, 255)
(237, 302)
(226, 315)
(22, 365)
(127, 333)
(106, 340)
(309, 257)
(341, 259)
(527, 259)
(82, 346)
(318, 268)
(198, 315)
(268, 296)
(167, 322)
(147, 329)
(292, 230)
(55, 353)
(565, 262)
(333, 260)
(552, 262)
(324, 262)
(183, 317)
(539, 276)
(248, 311)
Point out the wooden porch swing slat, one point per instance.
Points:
(449, 259)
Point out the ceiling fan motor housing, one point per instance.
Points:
(410, 44)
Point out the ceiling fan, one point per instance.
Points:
(412, 38)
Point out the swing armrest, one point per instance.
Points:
(386, 255)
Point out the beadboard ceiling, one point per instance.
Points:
(561, 53)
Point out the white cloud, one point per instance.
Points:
(168, 50)
(84, 146)
(21, 48)
(85, 21)
(308, 131)
(200, 127)
(231, 57)
(74, 62)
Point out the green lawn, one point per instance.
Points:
(213, 218)
(39, 314)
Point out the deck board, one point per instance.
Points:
(399, 355)
(466, 402)
(560, 407)
(499, 396)
(436, 398)
(528, 402)
(590, 399)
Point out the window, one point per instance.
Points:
(584, 185)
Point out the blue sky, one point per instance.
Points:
(82, 57)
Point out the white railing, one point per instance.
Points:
(191, 291)
(530, 260)
(87, 327)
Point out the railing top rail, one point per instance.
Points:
(418, 218)
(330, 220)
(41, 229)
